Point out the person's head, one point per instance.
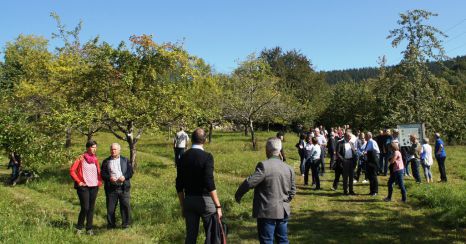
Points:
(412, 138)
(361, 136)
(302, 136)
(396, 132)
(198, 136)
(437, 135)
(368, 136)
(91, 147)
(280, 135)
(380, 132)
(308, 138)
(386, 131)
(181, 128)
(395, 146)
(348, 131)
(425, 140)
(115, 149)
(273, 147)
(317, 131)
(314, 140)
(347, 136)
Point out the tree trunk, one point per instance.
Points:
(253, 138)
(245, 129)
(211, 128)
(132, 154)
(268, 126)
(68, 138)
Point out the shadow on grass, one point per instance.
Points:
(346, 226)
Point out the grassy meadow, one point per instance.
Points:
(46, 210)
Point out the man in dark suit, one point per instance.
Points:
(196, 189)
(346, 154)
(116, 173)
(274, 188)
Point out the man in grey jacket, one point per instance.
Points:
(274, 187)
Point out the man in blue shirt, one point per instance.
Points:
(440, 156)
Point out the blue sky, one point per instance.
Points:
(334, 34)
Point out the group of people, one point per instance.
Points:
(368, 155)
(116, 172)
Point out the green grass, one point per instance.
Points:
(45, 210)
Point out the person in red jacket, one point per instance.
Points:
(85, 172)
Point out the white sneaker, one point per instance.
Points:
(355, 181)
(364, 181)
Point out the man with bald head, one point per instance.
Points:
(116, 173)
(196, 189)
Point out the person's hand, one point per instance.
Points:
(113, 179)
(121, 179)
(219, 213)
(82, 184)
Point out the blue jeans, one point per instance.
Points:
(268, 229)
(427, 172)
(398, 177)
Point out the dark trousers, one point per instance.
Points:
(338, 173)
(87, 196)
(315, 173)
(398, 178)
(383, 163)
(361, 167)
(178, 152)
(307, 166)
(371, 172)
(322, 159)
(441, 168)
(268, 229)
(331, 154)
(302, 162)
(415, 169)
(14, 172)
(196, 207)
(113, 196)
(348, 175)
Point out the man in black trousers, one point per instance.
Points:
(116, 173)
(372, 152)
(346, 154)
(196, 190)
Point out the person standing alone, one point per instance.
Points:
(180, 142)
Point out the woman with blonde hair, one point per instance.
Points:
(427, 159)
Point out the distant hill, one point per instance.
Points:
(360, 74)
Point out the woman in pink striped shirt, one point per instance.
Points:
(397, 173)
(85, 172)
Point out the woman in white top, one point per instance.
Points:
(315, 162)
(426, 159)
